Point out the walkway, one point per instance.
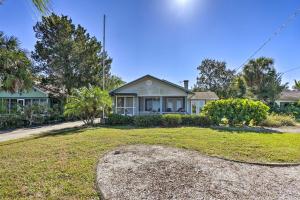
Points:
(26, 132)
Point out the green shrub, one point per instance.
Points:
(236, 111)
(171, 120)
(116, 119)
(276, 120)
(148, 120)
(195, 120)
(12, 121)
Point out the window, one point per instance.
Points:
(152, 104)
(175, 104)
(27, 102)
(35, 101)
(125, 105)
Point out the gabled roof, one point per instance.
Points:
(205, 95)
(155, 78)
(50, 90)
(289, 95)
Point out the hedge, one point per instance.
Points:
(236, 111)
(148, 120)
(115, 119)
(168, 120)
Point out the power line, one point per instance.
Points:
(277, 32)
(292, 69)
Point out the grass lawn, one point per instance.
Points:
(62, 165)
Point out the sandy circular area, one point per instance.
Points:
(157, 172)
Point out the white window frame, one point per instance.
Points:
(124, 106)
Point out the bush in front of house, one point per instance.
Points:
(277, 120)
(116, 119)
(171, 120)
(168, 120)
(195, 120)
(236, 111)
(148, 120)
(12, 121)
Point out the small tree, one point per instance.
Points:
(87, 103)
(214, 76)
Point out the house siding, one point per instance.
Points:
(156, 88)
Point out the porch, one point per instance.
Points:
(148, 105)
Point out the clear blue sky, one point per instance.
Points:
(169, 38)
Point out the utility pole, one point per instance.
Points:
(103, 62)
(103, 54)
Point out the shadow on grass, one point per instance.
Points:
(245, 129)
(54, 133)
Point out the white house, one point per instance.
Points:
(151, 95)
(288, 97)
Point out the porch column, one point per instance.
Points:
(161, 104)
(137, 106)
(185, 105)
(9, 105)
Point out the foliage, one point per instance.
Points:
(168, 120)
(68, 57)
(171, 120)
(15, 70)
(276, 120)
(214, 76)
(289, 109)
(42, 5)
(116, 119)
(12, 121)
(297, 85)
(236, 111)
(148, 120)
(34, 114)
(238, 88)
(87, 103)
(263, 80)
(195, 120)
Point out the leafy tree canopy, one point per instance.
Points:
(87, 103)
(263, 80)
(214, 76)
(238, 88)
(15, 67)
(67, 56)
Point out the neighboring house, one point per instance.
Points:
(11, 102)
(151, 95)
(199, 99)
(288, 97)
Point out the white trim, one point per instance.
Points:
(124, 106)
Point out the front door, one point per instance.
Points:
(21, 104)
(196, 106)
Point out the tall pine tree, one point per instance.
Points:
(66, 55)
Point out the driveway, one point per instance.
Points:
(287, 129)
(26, 132)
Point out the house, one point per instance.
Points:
(288, 97)
(151, 95)
(13, 102)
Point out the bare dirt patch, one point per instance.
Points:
(156, 172)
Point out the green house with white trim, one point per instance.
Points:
(11, 102)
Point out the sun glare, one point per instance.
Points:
(182, 2)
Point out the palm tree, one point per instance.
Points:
(15, 70)
(41, 5)
(297, 85)
(262, 79)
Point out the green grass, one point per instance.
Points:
(63, 165)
